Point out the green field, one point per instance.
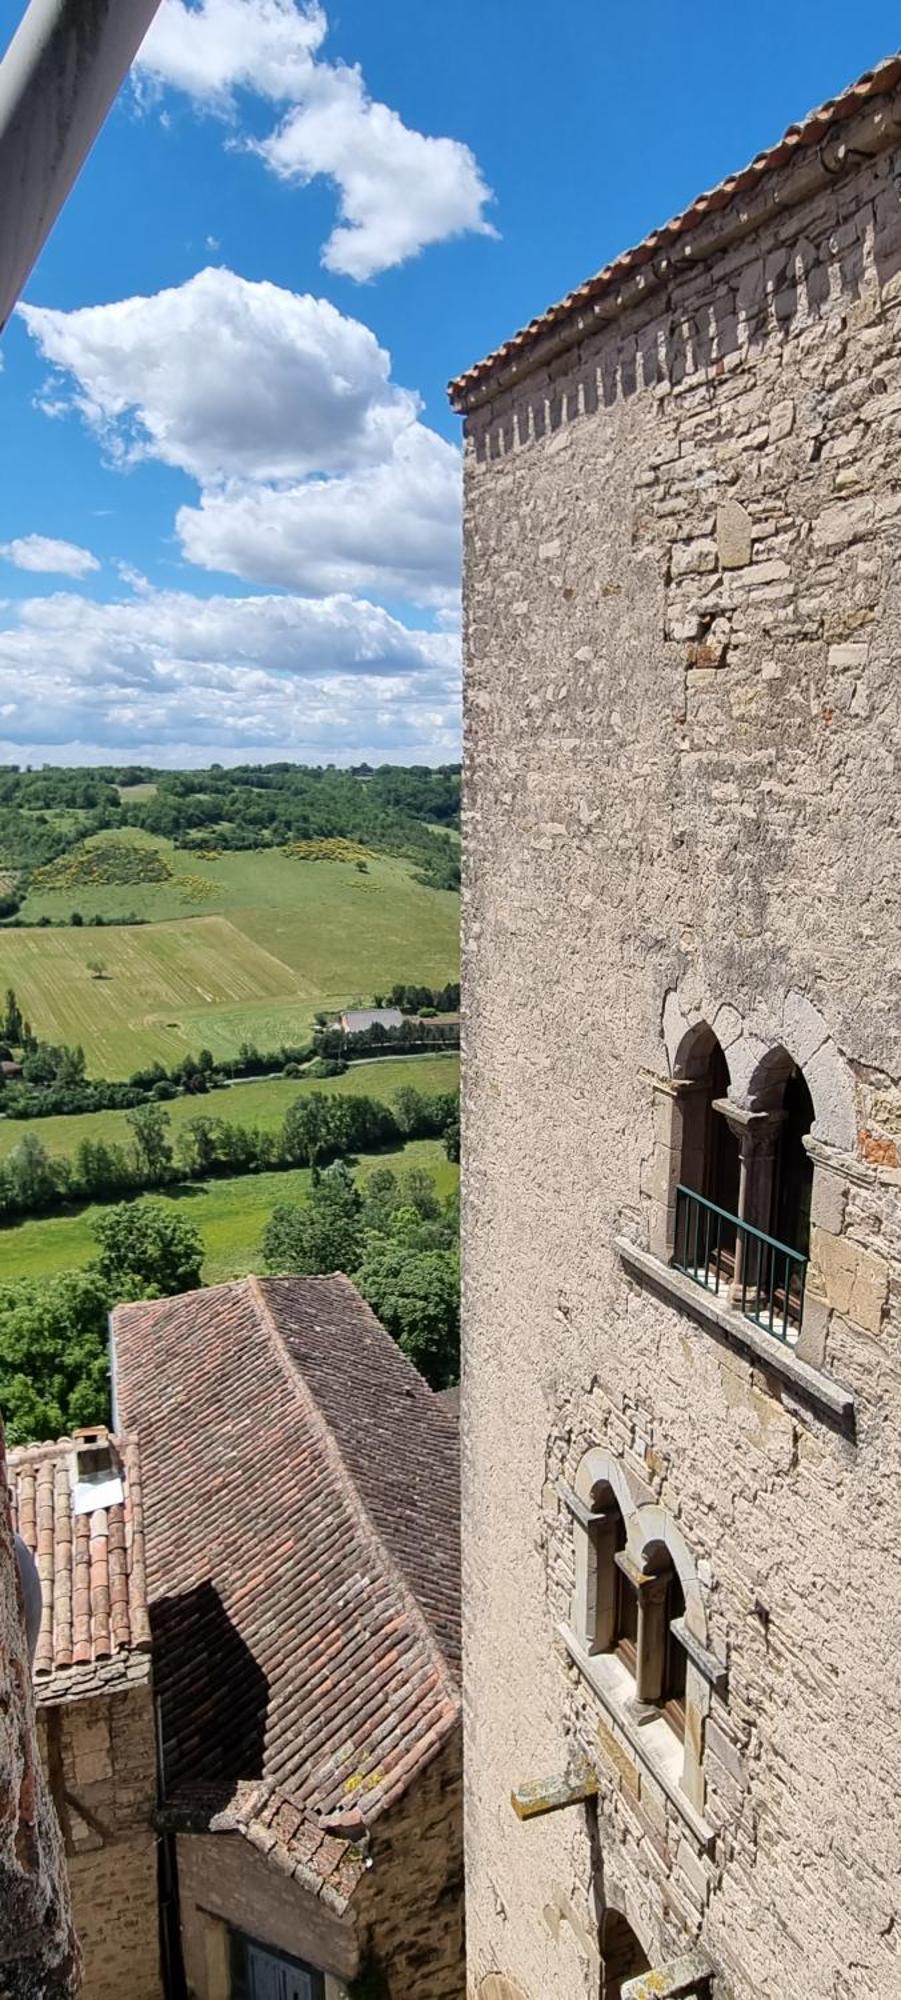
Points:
(230, 1215)
(262, 1104)
(243, 948)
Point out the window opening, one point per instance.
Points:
(259, 1973)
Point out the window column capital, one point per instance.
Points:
(756, 1131)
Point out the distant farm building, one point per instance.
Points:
(362, 1020)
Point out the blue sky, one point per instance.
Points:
(229, 525)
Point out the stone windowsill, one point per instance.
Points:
(708, 1311)
(598, 1670)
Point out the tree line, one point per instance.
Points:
(394, 1238)
(316, 1129)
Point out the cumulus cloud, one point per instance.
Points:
(223, 377)
(188, 678)
(217, 48)
(392, 528)
(398, 189)
(315, 470)
(42, 553)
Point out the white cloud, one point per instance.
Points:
(219, 47)
(398, 189)
(392, 528)
(178, 678)
(226, 378)
(42, 553)
(315, 471)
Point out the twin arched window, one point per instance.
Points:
(632, 1608)
(638, 1625)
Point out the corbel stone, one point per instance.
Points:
(687, 1978)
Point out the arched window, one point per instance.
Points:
(637, 1627)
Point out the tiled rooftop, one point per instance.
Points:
(77, 1506)
(302, 1525)
(514, 355)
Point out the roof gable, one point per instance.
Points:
(298, 1640)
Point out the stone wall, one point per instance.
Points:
(223, 1884)
(405, 1924)
(100, 1758)
(410, 1908)
(38, 1956)
(683, 616)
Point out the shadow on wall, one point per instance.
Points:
(213, 1695)
(694, 337)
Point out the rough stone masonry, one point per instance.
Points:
(38, 1954)
(683, 631)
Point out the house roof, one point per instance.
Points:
(95, 1632)
(515, 355)
(356, 1019)
(302, 1528)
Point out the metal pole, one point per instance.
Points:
(58, 79)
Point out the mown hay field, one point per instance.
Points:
(159, 982)
(269, 941)
(230, 1215)
(261, 1104)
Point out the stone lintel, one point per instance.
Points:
(547, 1795)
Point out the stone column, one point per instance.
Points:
(650, 1665)
(758, 1134)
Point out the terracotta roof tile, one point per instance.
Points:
(301, 1505)
(808, 133)
(91, 1563)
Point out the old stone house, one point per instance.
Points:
(77, 1507)
(682, 1224)
(301, 1513)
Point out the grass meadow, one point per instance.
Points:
(245, 947)
(230, 1215)
(262, 1104)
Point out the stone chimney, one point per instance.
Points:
(38, 1952)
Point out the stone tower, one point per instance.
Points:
(682, 1225)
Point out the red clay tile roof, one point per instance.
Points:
(302, 1525)
(809, 132)
(95, 1631)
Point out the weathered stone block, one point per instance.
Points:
(734, 534)
(853, 1281)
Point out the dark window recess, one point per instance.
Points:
(259, 1973)
(626, 1621)
(794, 1167)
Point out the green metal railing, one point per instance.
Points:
(711, 1245)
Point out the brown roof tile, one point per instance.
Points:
(90, 1561)
(300, 1494)
(809, 132)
